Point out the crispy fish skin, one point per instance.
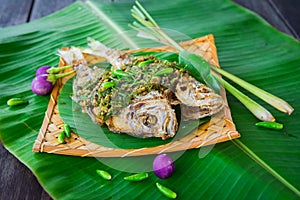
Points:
(197, 100)
(148, 116)
(86, 80)
(85, 87)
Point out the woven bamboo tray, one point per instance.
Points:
(219, 129)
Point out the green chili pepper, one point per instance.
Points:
(119, 73)
(146, 62)
(104, 174)
(67, 130)
(61, 137)
(168, 70)
(17, 101)
(108, 84)
(166, 191)
(271, 125)
(137, 177)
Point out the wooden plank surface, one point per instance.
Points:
(289, 13)
(283, 15)
(13, 12)
(16, 180)
(43, 8)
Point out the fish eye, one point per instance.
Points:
(149, 120)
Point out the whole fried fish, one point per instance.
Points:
(138, 94)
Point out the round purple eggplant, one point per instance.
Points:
(41, 86)
(42, 70)
(163, 166)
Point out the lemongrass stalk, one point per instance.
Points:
(146, 19)
(146, 33)
(150, 19)
(257, 110)
(274, 101)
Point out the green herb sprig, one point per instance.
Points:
(204, 71)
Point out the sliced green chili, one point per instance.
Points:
(137, 177)
(17, 101)
(67, 130)
(61, 137)
(109, 84)
(146, 62)
(119, 73)
(168, 70)
(270, 125)
(104, 174)
(166, 191)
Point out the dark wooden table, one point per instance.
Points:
(16, 180)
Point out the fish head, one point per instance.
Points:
(146, 118)
(197, 100)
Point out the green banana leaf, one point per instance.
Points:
(262, 164)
